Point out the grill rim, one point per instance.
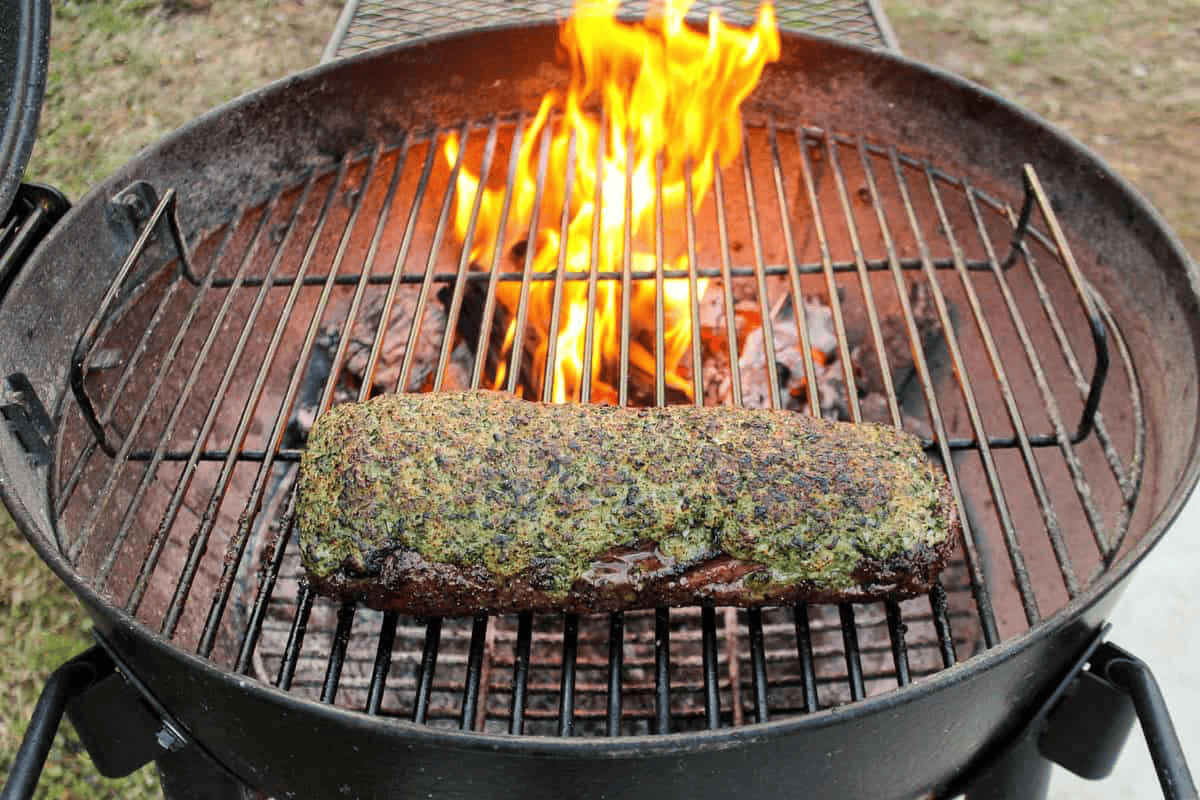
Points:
(1083, 609)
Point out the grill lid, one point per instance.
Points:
(24, 56)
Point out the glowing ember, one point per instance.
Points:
(670, 99)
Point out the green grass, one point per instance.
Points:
(41, 626)
(1123, 78)
(123, 74)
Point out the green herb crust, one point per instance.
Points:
(457, 503)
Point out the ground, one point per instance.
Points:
(1122, 77)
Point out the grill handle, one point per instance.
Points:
(66, 683)
(136, 206)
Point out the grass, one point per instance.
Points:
(123, 73)
(41, 626)
(1123, 77)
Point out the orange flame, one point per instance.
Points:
(670, 99)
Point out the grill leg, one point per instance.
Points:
(187, 774)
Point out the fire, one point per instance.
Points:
(670, 99)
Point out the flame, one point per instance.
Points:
(670, 99)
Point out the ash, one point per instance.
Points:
(834, 382)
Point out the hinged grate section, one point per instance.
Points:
(366, 24)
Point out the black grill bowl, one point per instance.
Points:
(899, 742)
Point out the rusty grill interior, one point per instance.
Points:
(174, 465)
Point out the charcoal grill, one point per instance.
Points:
(217, 279)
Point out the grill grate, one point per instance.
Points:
(174, 472)
(366, 24)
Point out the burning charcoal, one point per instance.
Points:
(387, 374)
(399, 324)
(468, 324)
(790, 362)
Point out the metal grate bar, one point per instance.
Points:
(617, 674)
(731, 339)
(410, 227)
(854, 669)
(119, 290)
(520, 679)
(689, 218)
(1131, 481)
(559, 273)
(129, 371)
(896, 632)
(835, 304)
(939, 608)
(767, 328)
(489, 307)
(660, 312)
(712, 682)
(217, 496)
(337, 653)
(236, 548)
(626, 283)
(570, 648)
(804, 650)
(1049, 518)
(163, 529)
(1035, 193)
(127, 520)
(662, 670)
(852, 228)
(979, 587)
(453, 278)
(383, 661)
(164, 210)
(267, 582)
(474, 676)
(464, 260)
(531, 237)
(429, 654)
(616, 660)
(266, 588)
(439, 232)
(295, 640)
(758, 663)
(789, 242)
(1000, 502)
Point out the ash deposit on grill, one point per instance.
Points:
(832, 392)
